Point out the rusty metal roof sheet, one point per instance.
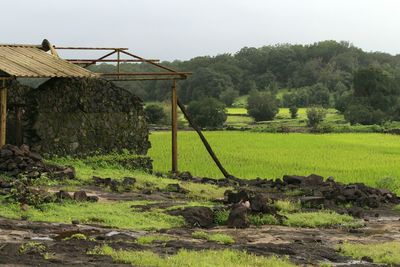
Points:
(30, 61)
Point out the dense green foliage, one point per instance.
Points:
(155, 113)
(207, 112)
(262, 106)
(348, 158)
(327, 65)
(315, 116)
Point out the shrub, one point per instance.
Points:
(315, 116)
(364, 114)
(262, 106)
(207, 112)
(155, 113)
(293, 112)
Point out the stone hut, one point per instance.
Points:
(65, 116)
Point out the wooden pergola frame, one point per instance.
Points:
(165, 73)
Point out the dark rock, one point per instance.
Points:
(80, 196)
(186, 176)
(356, 212)
(196, 216)
(260, 203)
(147, 191)
(367, 259)
(62, 195)
(5, 153)
(75, 222)
(128, 182)
(176, 188)
(92, 198)
(314, 179)
(232, 197)
(292, 179)
(312, 202)
(238, 217)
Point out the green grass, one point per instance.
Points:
(185, 258)
(85, 172)
(113, 214)
(148, 239)
(383, 253)
(287, 206)
(264, 219)
(218, 237)
(347, 157)
(236, 111)
(321, 219)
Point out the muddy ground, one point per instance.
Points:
(304, 246)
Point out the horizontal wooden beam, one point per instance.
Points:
(84, 61)
(146, 74)
(89, 48)
(145, 79)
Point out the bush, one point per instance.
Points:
(155, 113)
(207, 112)
(363, 114)
(315, 116)
(262, 106)
(293, 112)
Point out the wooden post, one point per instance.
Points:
(174, 115)
(3, 113)
(118, 62)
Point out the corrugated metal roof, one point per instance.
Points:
(31, 61)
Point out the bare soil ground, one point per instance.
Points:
(304, 246)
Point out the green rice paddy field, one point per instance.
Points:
(347, 157)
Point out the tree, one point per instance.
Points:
(262, 106)
(207, 112)
(364, 114)
(293, 112)
(315, 116)
(155, 113)
(228, 96)
(204, 83)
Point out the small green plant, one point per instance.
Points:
(33, 247)
(221, 217)
(264, 219)
(148, 239)
(79, 236)
(218, 237)
(321, 219)
(287, 206)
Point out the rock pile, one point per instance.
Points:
(16, 161)
(312, 190)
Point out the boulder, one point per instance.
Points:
(233, 197)
(238, 217)
(196, 216)
(80, 196)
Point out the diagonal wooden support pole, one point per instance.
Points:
(205, 142)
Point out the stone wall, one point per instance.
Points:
(80, 117)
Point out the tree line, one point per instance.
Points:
(327, 73)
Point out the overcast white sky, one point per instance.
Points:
(182, 29)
